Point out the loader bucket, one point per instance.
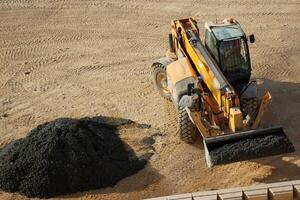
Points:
(246, 145)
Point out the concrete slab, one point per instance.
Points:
(231, 196)
(211, 197)
(208, 195)
(280, 184)
(260, 194)
(297, 191)
(281, 193)
(157, 198)
(255, 192)
(296, 182)
(187, 196)
(229, 190)
(255, 187)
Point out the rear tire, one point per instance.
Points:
(160, 80)
(186, 129)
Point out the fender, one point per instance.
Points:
(163, 61)
(180, 74)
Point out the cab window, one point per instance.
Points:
(233, 54)
(211, 45)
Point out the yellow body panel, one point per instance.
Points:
(235, 119)
(179, 70)
(263, 106)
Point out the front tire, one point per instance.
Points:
(186, 129)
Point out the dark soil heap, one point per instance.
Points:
(66, 156)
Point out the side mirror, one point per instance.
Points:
(251, 38)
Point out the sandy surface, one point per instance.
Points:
(76, 58)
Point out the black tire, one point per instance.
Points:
(160, 80)
(186, 129)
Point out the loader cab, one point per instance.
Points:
(227, 44)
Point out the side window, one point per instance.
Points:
(210, 44)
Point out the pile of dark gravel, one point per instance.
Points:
(66, 156)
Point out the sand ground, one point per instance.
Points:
(76, 58)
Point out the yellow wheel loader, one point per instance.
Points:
(209, 83)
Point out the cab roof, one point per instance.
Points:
(229, 28)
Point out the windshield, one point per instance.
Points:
(234, 55)
(227, 32)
